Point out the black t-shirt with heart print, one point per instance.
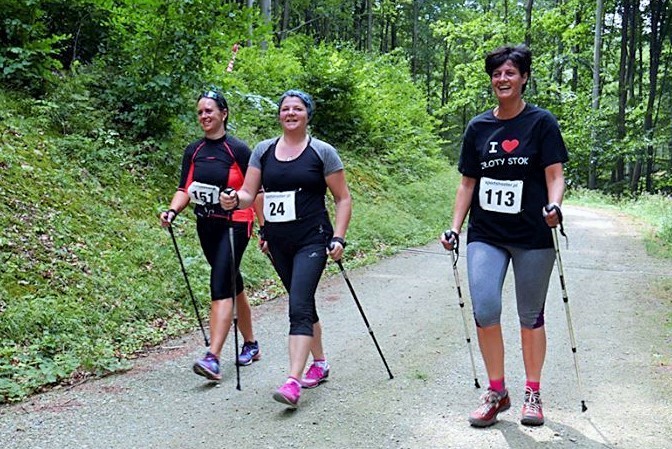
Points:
(518, 149)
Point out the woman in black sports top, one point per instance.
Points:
(295, 171)
(210, 164)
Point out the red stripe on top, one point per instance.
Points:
(236, 179)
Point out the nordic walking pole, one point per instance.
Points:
(186, 278)
(234, 274)
(361, 311)
(452, 234)
(565, 300)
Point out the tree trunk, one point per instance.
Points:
(414, 39)
(528, 22)
(618, 173)
(359, 8)
(444, 77)
(265, 6)
(659, 18)
(284, 24)
(575, 50)
(369, 25)
(595, 106)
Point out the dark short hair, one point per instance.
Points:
(219, 99)
(304, 97)
(520, 56)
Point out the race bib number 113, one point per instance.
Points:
(502, 196)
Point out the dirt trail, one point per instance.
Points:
(411, 302)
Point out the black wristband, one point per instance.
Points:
(339, 240)
(173, 211)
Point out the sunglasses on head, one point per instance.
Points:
(211, 94)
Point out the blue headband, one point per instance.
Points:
(304, 97)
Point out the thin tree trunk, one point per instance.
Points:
(659, 18)
(575, 50)
(444, 77)
(284, 24)
(265, 6)
(528, 22)
(618, 173)
(414, 39)
(595, 106)
(369, 25)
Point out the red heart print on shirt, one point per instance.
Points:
(510, 145)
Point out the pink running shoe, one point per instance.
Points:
(492, 404)
(532, 414)
(315, 375)
(289, 393)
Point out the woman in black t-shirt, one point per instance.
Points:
(295, 171)
(512, 172)
(210, 164)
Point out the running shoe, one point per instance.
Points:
(532, 414)
(289, 393)
(492, 403)
(315, 375)
(208, 367)
(249, 353)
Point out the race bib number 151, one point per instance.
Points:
(202, 194)
(501, 196)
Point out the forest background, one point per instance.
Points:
(98, 102)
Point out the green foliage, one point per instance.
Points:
(88, 277)
(28, 52)
(366, 105)
(161, 51)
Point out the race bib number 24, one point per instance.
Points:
(280, 206)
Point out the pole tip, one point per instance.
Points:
(583, 406)
(476, 384)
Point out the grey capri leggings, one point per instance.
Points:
(487, 265)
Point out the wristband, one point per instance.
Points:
(339, 240)
(174, 214)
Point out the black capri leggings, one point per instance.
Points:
(300, 268)
(214, 236)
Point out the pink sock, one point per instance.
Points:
(534, 386)
(497, 385)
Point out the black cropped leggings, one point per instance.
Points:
(214, 236)
(300, 268)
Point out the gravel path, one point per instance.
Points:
(410, 300)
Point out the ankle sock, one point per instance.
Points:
(497, 385)
(534, 386)
(322, 363)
